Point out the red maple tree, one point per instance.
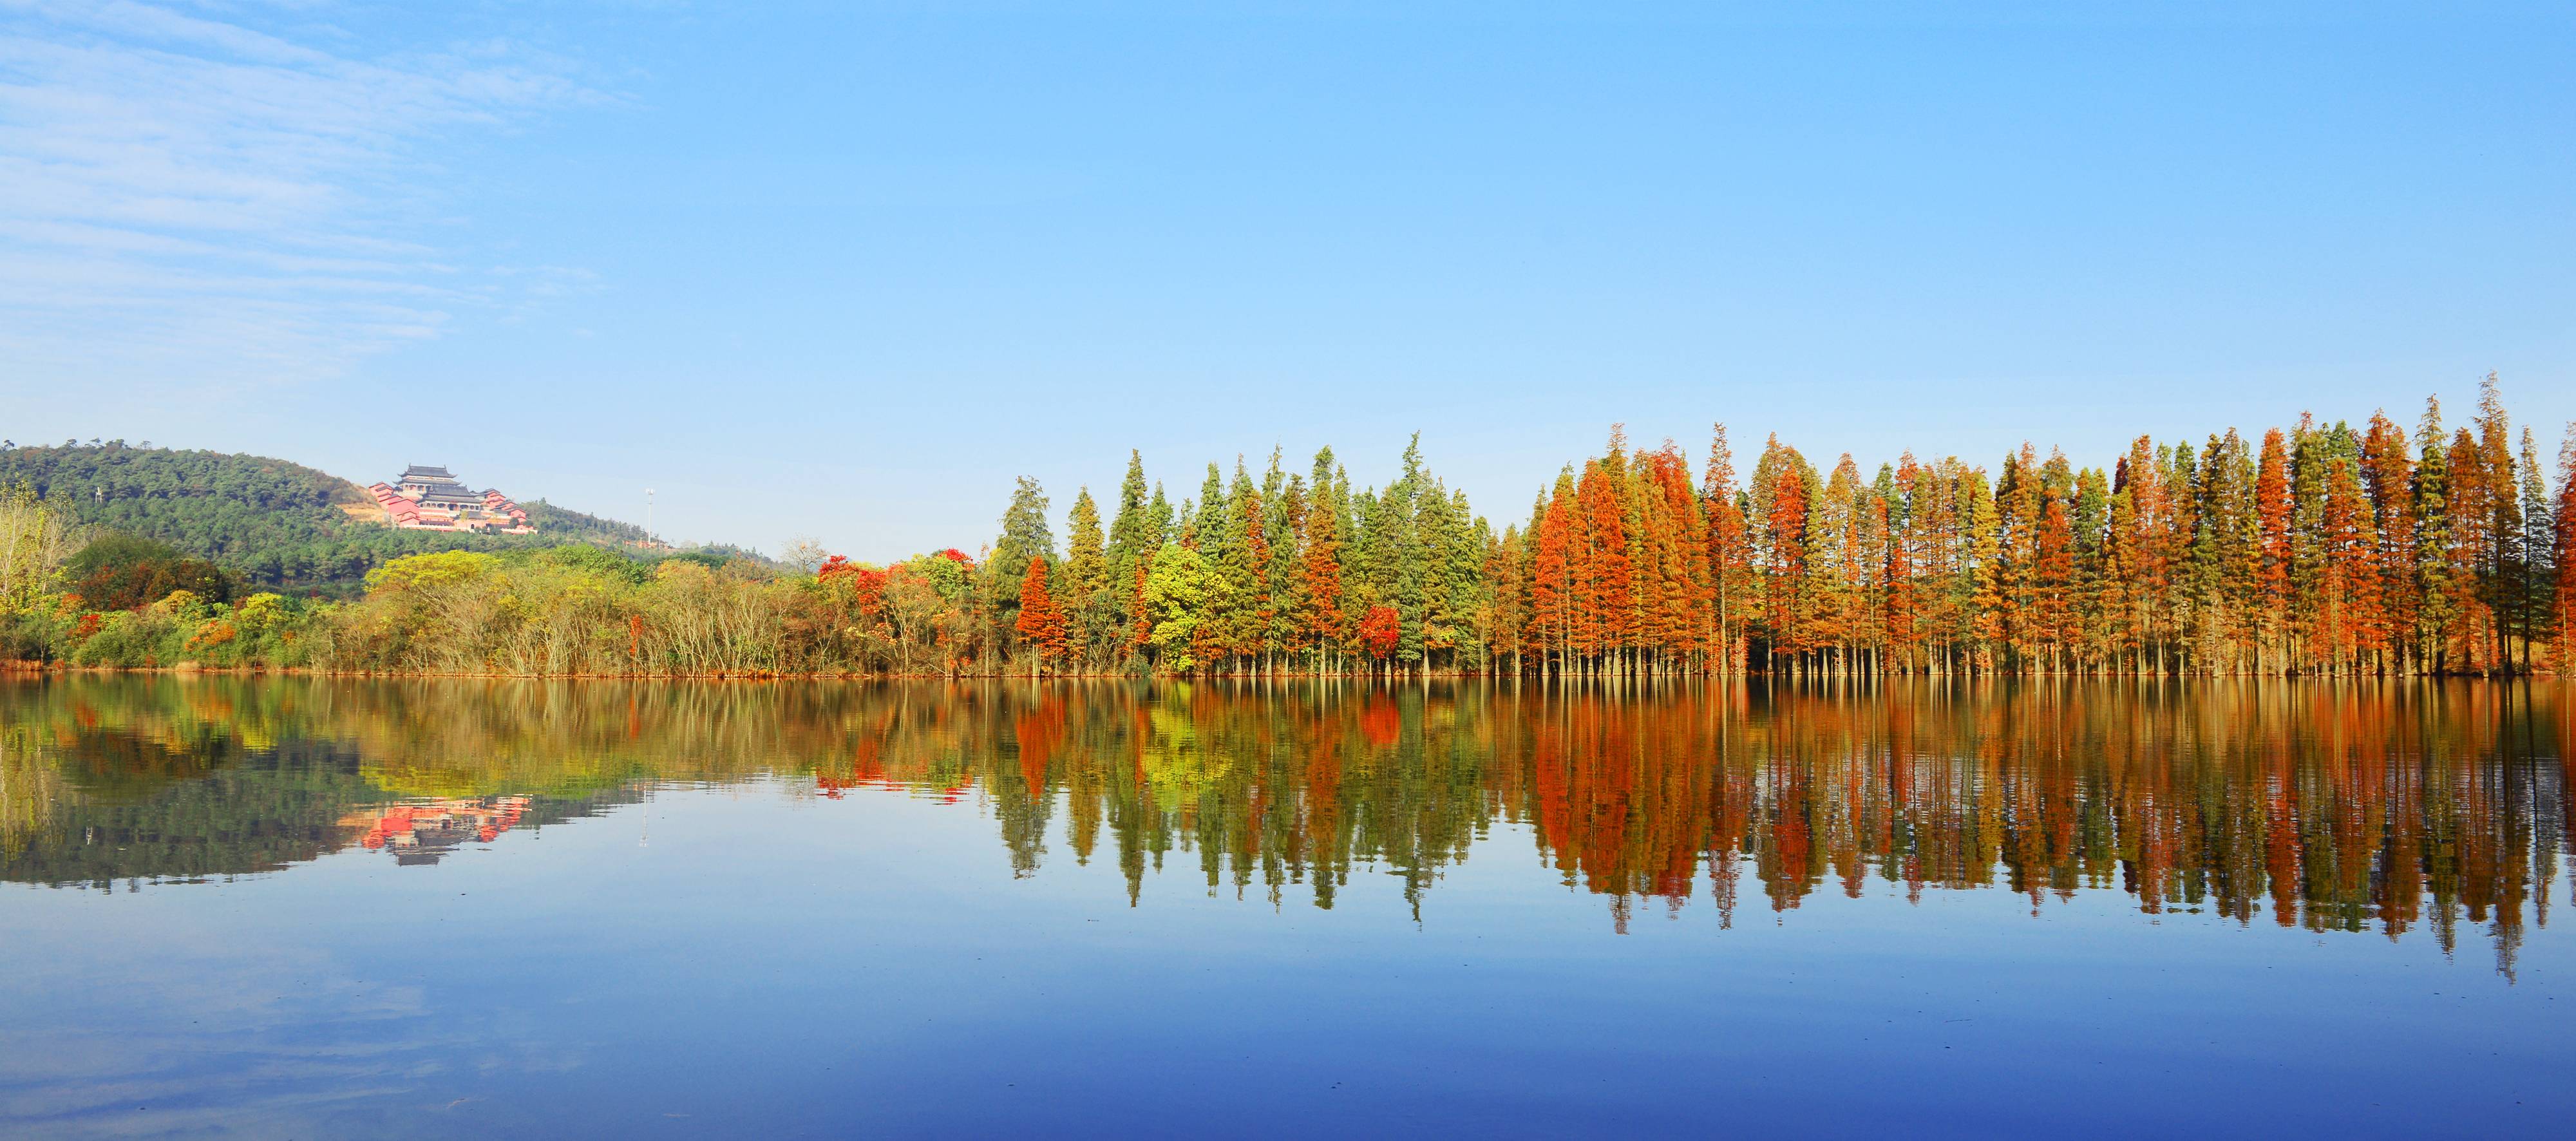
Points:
(1379, 631)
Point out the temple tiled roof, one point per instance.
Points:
(447, 495)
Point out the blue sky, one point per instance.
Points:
(845, 270)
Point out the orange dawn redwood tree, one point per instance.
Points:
(1040, 624)
(1320, 582)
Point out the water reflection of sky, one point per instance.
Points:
(748, 954)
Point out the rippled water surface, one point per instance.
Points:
(334, 908)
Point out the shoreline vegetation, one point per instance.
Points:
(2322, 550)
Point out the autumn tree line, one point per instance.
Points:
(2319, 550)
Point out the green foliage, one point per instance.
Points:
(599, 561)
(1176, 596)
(37, 537)
(565, 525)
(704, 558)
(718, 554)
(947, 575)
(444, 568)
(115, 550)
(1091, 608)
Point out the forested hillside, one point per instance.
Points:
(272, 522)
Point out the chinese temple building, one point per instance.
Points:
(433, 499)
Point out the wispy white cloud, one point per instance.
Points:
(190, 201)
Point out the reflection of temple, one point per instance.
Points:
(421, 833)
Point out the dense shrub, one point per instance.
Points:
(121, 572)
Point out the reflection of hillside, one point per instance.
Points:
(253, 814)
(155, 778)
(2332, 808)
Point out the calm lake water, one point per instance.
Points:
(512, 909)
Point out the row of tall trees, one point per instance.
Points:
(1284, 571)
(2322, 549)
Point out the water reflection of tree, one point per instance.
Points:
(2332, 808)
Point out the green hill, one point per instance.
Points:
(277, 524)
